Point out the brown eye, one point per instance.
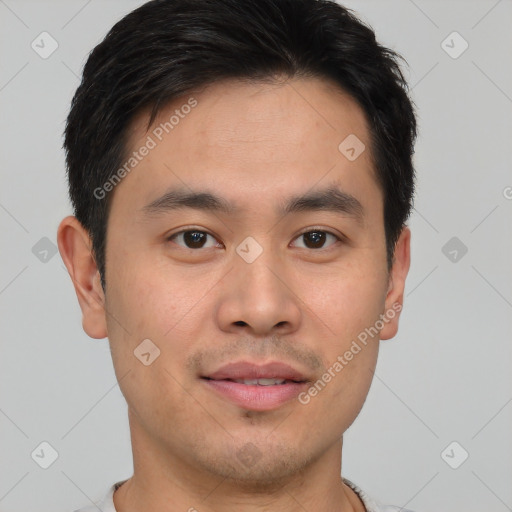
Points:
(316, 239)
(194, 239)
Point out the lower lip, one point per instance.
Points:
(256, 397)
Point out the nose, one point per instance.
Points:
(258, 299)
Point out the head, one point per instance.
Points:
(241, 176)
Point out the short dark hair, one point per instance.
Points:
(168, 48)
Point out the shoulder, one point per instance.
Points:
(106, 504)
(370, 504)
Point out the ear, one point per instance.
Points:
(75, 248)
(397, 276)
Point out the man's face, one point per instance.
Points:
(309, 280)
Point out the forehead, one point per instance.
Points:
(245, 140)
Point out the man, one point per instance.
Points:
(241, 178)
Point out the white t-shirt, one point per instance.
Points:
(107, 504)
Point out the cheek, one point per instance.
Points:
(151, 297)
(146, 302)
(344, 301)
(348, 305)
(156, 302)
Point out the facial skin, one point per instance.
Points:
(255, 146)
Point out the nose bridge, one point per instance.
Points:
(257, 297)
(258, 278)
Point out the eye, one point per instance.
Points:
(194, 239)
(316, 239)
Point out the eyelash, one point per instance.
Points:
(338, 238)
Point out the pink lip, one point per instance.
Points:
(256, 398)
(247, 370)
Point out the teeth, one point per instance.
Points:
(260, 382)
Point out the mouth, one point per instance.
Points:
(260, 382)
(256, 387)
(256, 394)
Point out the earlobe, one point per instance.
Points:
(397, 277)
(75, 248)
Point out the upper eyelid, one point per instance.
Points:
(323, 230)
(186, 230)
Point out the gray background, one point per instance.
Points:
(447, 375)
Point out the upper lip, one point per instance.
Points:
(248, 370)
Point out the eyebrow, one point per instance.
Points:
(329, 199)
